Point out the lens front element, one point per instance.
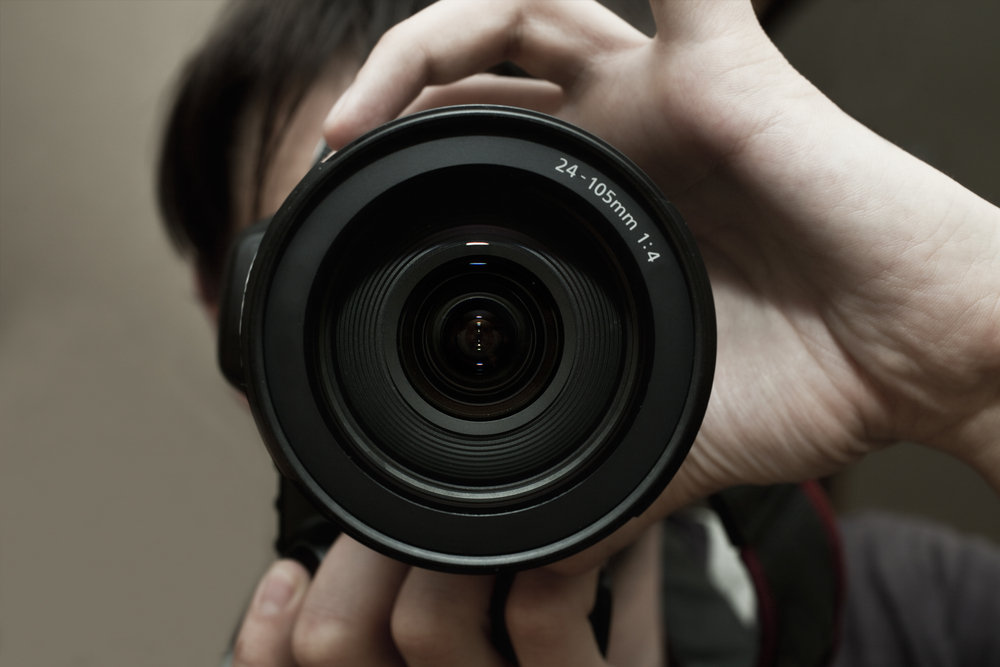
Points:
(479, 337)
(502, 364)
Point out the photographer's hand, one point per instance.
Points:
(365, 609)
(857, 289)
(265, 636)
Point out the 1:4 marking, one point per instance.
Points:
(650, 254)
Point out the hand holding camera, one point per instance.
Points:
(852, 283)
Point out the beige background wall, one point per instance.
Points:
(134, 496)
(134, 493)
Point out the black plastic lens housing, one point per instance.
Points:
(477, 337)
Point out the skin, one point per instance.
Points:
(856, 291)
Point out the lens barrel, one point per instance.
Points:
(477, 337)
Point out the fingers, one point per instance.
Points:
(442, 620)
(450, 41)
(491, 89)
(547, 618)
(265, 638)
(344, 619)
(365, 609)
(688, 485)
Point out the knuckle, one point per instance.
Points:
(394, 34)
(534, 614)
(421, 635)
(322, 640)
(529, 624)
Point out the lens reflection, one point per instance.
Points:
(475, 342)
(483, 339)
(481, 343)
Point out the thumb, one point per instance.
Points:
(265, 638)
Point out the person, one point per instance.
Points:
(857, 289)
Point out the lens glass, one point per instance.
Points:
(479, 337)
(483, 351)
(477, 340)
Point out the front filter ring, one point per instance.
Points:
(275, 355)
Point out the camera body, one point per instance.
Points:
(475, 338)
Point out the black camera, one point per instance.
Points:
(475, 338)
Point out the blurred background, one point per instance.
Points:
(135, 495)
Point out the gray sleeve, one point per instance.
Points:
(918, 595)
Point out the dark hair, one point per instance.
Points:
(262, 56)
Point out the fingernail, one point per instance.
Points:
(279, 587)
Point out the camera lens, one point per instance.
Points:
(567, 348)
(478, 346)
(480, 343)
(477, 337)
